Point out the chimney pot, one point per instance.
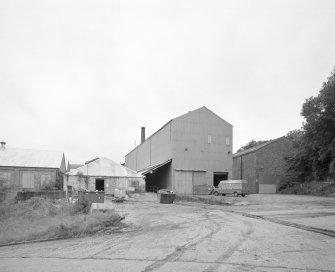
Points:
(142, 135)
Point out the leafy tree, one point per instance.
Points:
(313, 155)
(251, 144)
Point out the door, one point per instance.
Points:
(219, 176)
(267, 188)
(183, 182)
(100, 185)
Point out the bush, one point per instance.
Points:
(310, 188)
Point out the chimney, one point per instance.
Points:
(142, 134)
(3, 145)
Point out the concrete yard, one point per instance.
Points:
(190, 236)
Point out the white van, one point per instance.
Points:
(231, 187)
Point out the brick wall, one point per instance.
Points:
(270, 165)
(264, 166)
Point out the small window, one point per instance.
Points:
(209, 139)
(227, 140)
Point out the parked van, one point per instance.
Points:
(232, 187)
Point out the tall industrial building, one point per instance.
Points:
(187, 155)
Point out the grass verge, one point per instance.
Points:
(39, 218)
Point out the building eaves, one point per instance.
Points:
(153, 167)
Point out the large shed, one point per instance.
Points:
(103, 175)
(263, 166)
(188, 155)
(30, 169)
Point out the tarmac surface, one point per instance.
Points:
(255, 233)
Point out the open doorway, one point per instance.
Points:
(100, 185)
(218, 176)
(158, 178)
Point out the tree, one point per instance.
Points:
(251, 144)
(313, 154)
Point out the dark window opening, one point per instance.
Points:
(218, 177)
(100, 185)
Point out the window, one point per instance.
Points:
(6, 175)
(45, 179)
(27, 180)
(227, 140)
(209, 139)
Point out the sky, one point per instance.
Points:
(83, 76)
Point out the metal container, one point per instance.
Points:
(92, 197)
(165, 196)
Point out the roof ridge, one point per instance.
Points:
(256, 147)
(31, 149)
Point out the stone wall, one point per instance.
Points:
(78, 183)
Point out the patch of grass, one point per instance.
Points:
(39, 218)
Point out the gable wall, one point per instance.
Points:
(192, 149)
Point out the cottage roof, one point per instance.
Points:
(255, 148)
(17, 157)
(104, 167)
(75, 165)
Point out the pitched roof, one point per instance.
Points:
(255, 148)
(75, 165)
(202, 109)
(104, 167)
(18, 157)
(190, 112)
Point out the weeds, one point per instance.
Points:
(39, 218)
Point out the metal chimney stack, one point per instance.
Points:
(3, 145)
(142, 135)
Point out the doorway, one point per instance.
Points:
(218, 176)
(100, 185)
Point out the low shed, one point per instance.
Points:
(31, 170)
(103, 175)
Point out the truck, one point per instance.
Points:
(231, 187)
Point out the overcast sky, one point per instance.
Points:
(84, 76)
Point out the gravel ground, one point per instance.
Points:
(194, 237)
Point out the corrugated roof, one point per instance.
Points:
(255, 148)
(104, 167)
(75, 166)
(18, 157)
(153, 167)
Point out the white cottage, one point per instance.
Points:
(103, 175)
